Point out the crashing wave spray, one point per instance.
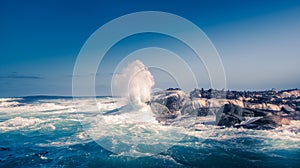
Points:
(135, 83)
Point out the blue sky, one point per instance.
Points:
(258, 41)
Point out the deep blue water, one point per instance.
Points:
(47, 132)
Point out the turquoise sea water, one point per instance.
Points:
(49, 132)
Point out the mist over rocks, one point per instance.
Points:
(249, 109)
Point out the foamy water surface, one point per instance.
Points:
(58, 132)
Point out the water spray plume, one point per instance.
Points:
(135, 83)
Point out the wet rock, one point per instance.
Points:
(167, 104)
(269, 122)
(162, 113)
(173, 103)
(257, 112)
(248, 109)
(230, 115)
(234, 116)
(229, 120)
(196, 107)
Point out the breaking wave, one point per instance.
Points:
(55, 137)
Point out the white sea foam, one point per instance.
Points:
(13, 108)
(9, 99)
(37, 107)
(60, 142)
(18, 123)
(285, 137)
(129, 130)
(120, 132)
(9, 102)
(110, 104)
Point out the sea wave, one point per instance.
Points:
(57, 127)
(18, 123)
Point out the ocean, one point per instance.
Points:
(53, 131)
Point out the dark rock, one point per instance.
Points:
(203, 111)
(295, 115)
(189, 110)
(229, 120)
(257, 112)
(231, 114)
(234, 116)
(170, 89)
(173, 103)
(162, 113)
(271, 121)
(210, 93)
(167, 104)
(196, 93)
(287, 109)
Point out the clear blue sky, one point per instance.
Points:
(258, 41)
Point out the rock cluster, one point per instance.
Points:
(231, 115)
(167, 104)
(259, 110)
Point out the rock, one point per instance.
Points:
(257, 112)
(229, 120)
(230, 115)
(287, 108)
(248, 109)
(237, 102)
(173, 103)
(272, 107)
(195, 107)
(162, 113)
(196, 93)
(285, 121)
(216, 103)
(167, 104)
(271, 121)
(174, 99)
(265, 106)
(292, 93)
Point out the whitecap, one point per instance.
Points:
(18, 123)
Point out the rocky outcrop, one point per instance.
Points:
(264, 106)
(234, 116)
(167, 104)
(292, 93)
(258, 110)
(230, 115)
(162, 114)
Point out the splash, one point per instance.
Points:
(135, 84)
